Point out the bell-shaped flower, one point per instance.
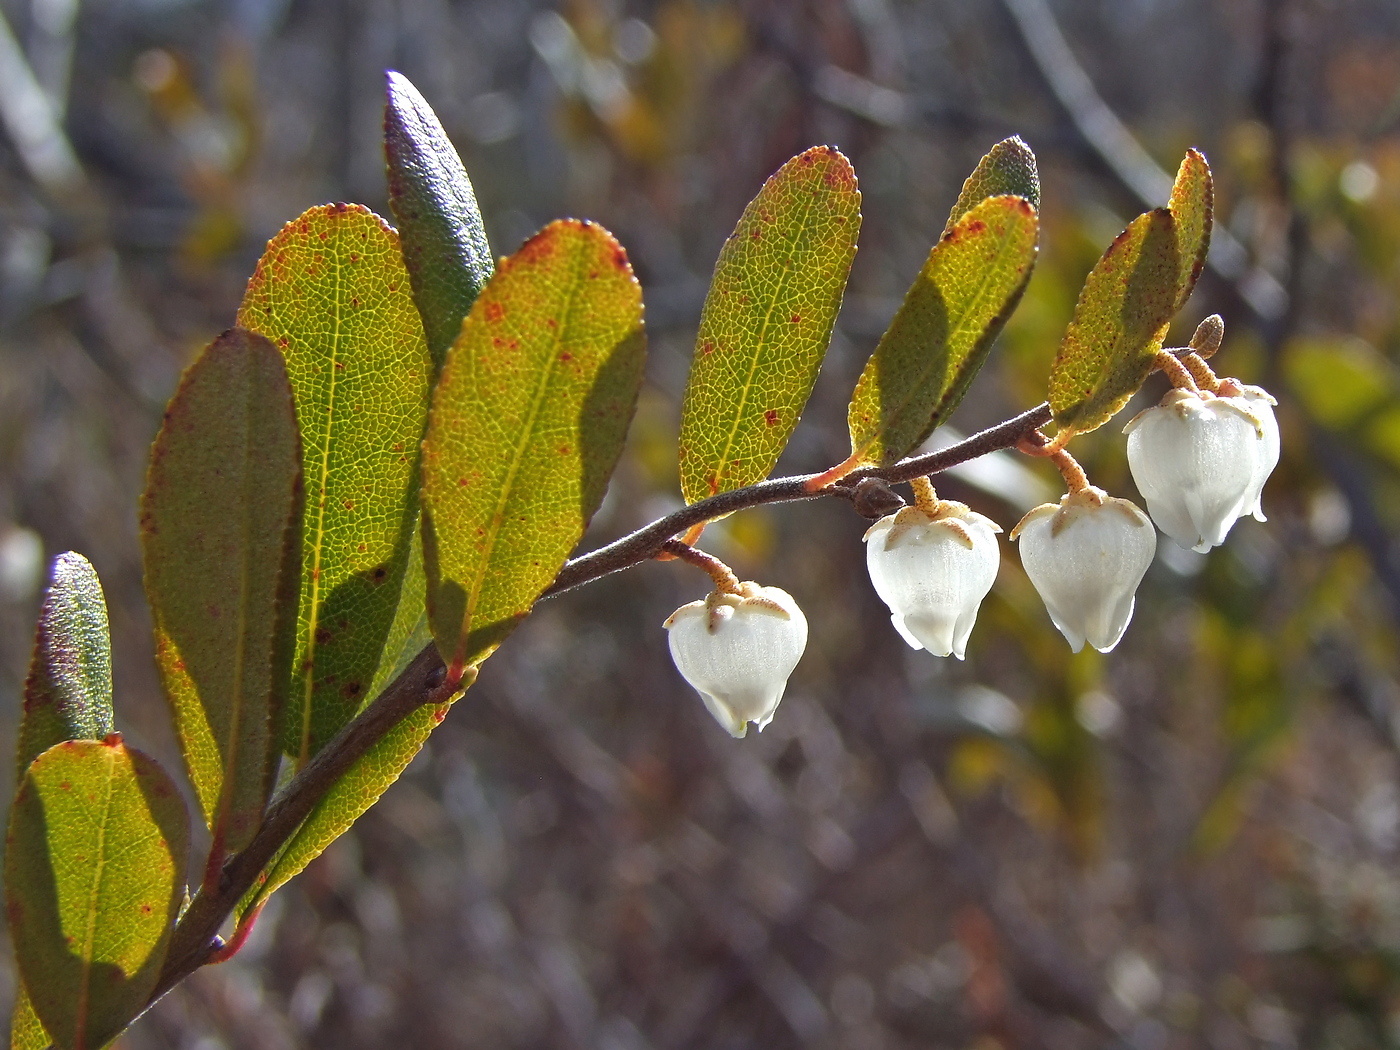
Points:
(933, 570)
(1198, 460)
(737, 650)
(1086, 557)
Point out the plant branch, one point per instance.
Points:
(196, 936)
(196, 939)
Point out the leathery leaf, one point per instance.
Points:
(332, 294)
(767, 322)
(94, 874)
(221, 508)
(527, 423)
(936, 343)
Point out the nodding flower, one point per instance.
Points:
(737, 650)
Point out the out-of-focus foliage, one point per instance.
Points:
(1191, 842)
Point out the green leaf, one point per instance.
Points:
(1008, 169)
(26, 1030)
(222, 500)
(409, 632)
(527, 423)
(94, 873)
(1192, 202)
(332, 294)
(344, 803)
(68, 693)
(444, 241)
(1118, 325)
(767, 322)
(936, 343)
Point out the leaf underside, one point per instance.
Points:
(68, 692)
(221, 504)
(945, 327)
(1119, 323)
(94, 874)
(766, 323)
(444, 240)
(527, 423)
(332, 294)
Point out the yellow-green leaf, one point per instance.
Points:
(68, 693)
(527, 423)
(1192, 203)
(26, 1030)
(344, 803)
(1118, 325)
(94, 873)
(1008, 169)
(332, 294)
(444, 241)
(222, 501)
(767, 321)
(936, 343)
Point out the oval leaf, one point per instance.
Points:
(767, 322)
(444, 241)
(527, 424)
(68, 693)
(1118, 326)
(347, 800)
(332, 294)
(936, 343)
(94, 874)
(1008, 169)
(1192, 203)
(221, 502)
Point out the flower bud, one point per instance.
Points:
(933, 572)
(737, 650)
(1086, 557)
(1200, 462)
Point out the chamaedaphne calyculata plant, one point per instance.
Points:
(362, 488)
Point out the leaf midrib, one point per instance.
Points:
(80, 1012)
(308, 663)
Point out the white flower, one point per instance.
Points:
(1199, 461)
(1086, 557)
(737, 650)
(1261, 405)
(933, 572)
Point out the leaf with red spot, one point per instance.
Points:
(527, 422)
(767, 322)
(94, 875)
(331, 292)
(972, 280)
